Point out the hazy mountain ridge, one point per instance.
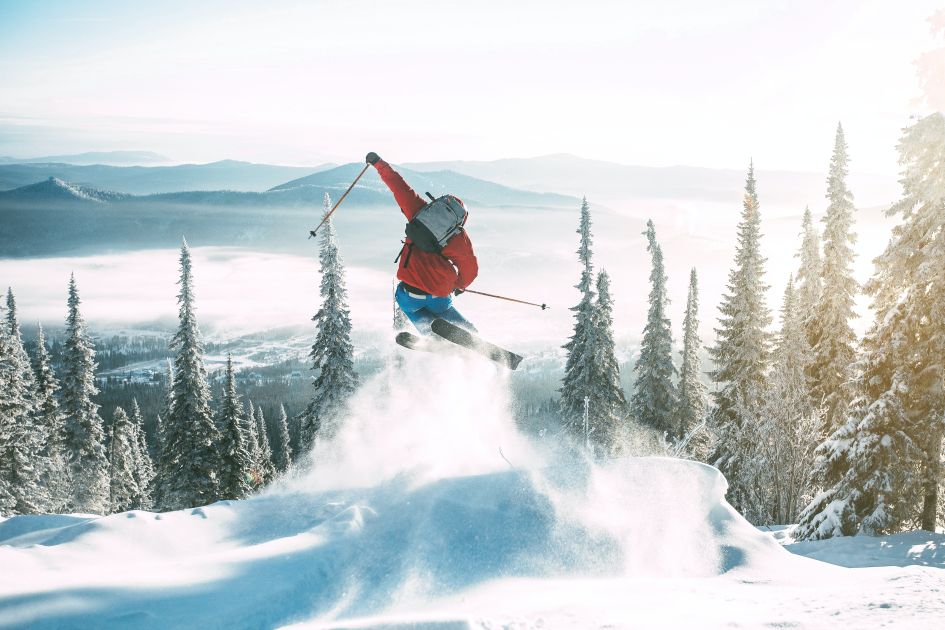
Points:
(310, 190)
(146, 180)
(53, 217)
(612, 183)
(118, 158)
(57, 190)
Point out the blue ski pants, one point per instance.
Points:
(421, 310)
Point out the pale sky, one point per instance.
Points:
(651, 83)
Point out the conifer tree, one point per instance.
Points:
(693, 393)
(654, 397)
(252, 446)
(809, 283)
(266, 469)
(23, 460)
(831, 335)
(889, 467)
(189, 462)
(50, 423)
(911, 269)
(578, 382)
(784, 430)
(284, 445)
(332, 353)
(235, 477)
(607, 406)
(741, 351)
(144, 465)
(84, 434)
(124, 492)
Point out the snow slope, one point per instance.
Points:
(412, 518)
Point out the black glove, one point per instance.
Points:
(459, 291)
(372, 158)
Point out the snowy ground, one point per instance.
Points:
(413, 519)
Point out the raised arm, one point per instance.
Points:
(407, 198)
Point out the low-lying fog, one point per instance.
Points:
(241, 290)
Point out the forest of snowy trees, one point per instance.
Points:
(58, 454)
(809, 424)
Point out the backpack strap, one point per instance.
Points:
(409, 248)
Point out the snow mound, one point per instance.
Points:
(412, 517)
(293, 556)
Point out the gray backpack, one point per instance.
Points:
(436, 223)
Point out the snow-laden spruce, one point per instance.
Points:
(49, 421)
(830, 332)
(284, 442)
(693, 400)
(882, 466)
(809, 283)
(578, 383)
(190, 460)
(654, 399)
(742, 347)
(333, 352)
(84, 433)
(236, 459)
(124, 494)
(23, 461)
(144, 465)
(783, 431)
(606, 403)
(266, 468)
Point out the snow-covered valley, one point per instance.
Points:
(413, 518)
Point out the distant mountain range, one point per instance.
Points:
(56, 216)
(308, 190)
(116, 158)
(147, 180)
(614, 184)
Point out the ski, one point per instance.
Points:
(416, 342)
(464, 338)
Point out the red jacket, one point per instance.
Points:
(438, 274)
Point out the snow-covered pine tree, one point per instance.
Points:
(607, 406)
(235, 478)
(578, 382)
(693, 393)
(144, 465)
(332, 353)
(266, 468)
(23, 460)
(124, 492)
(252, 445)
(83, 431)
(50, 423)
(187, 472)
(654, 397)
(160, 439)
(785, 429)
(741, 352)
(889, 450)
(908, 293)
(284, 444)
(809, 283)
(830, 333)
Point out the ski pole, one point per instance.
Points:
(338, 203)
(507, 299)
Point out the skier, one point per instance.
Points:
(428, 280)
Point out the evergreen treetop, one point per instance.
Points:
(654, 399)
